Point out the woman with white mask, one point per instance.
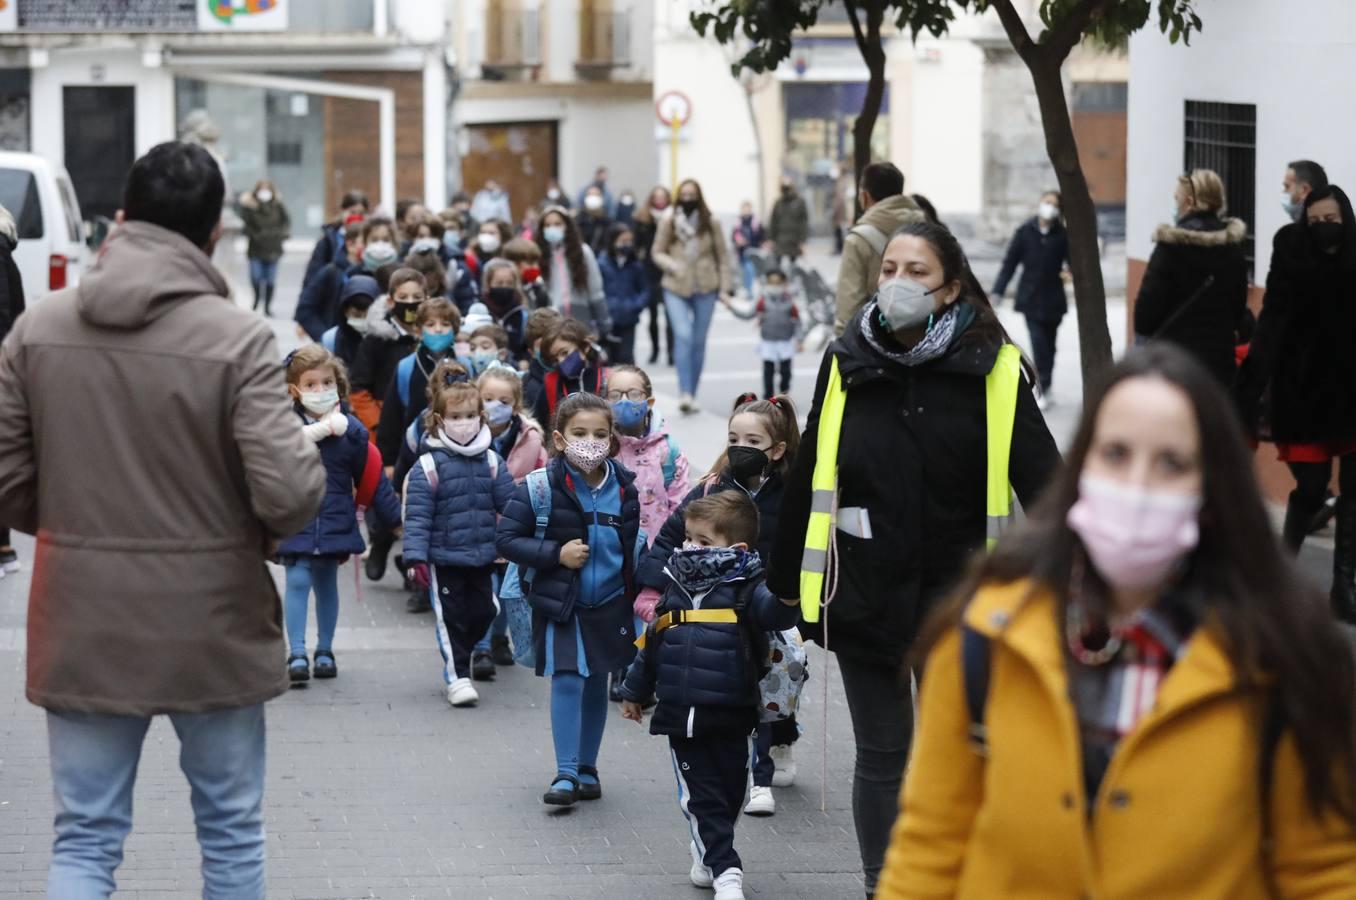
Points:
(1136, 694)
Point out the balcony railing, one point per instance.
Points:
(512, 37)
(604, 38)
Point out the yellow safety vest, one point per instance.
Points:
(1000, 412)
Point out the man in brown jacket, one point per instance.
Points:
(146, 440)
(886, 209)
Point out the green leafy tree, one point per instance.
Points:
(768, 26)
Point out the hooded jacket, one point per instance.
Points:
(860, 267)
(645, 456)
(913, 452)
(1201, 261)
(454, 525)
(147, 440)
(789, 225)
(267, 226)
(381, 350)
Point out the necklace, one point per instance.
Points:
(1076, 623)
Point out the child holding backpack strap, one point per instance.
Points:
(576, 548)
(453, 497)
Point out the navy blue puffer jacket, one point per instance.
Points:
(553, 585)
(334, 532)
(457, 526)
(706, 675)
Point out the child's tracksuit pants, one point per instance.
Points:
(713, 774)
(465, 607)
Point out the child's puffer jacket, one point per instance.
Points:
(645, 456)
(553, 583)
(334, 532)
(457, 526)
(712, 668)
(529, 450)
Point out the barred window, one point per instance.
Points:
(1223, 137)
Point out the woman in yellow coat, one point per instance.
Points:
(1136, 697)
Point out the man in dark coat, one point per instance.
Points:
(789, 225)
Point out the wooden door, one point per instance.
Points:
(521, 156)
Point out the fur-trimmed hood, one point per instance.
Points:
(1196, 231)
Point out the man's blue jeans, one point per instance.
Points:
(94, 761)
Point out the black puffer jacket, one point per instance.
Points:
(913, 452)
(1298, 384)
(706, 676)
(1040, 292)
(1201, 257)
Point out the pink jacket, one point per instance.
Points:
(645, 457)
(529, 452)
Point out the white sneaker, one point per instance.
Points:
(462, 693)
(685, 403)
(785, 776)
(699, 874)
(761, 802)
(730, 885)
(693, 406)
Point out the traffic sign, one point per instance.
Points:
(673, 108)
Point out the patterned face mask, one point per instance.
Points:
(698, 569)
(587, 455)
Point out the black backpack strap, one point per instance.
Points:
(975, 678)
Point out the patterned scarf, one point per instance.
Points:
(933, 345)
(700, 569)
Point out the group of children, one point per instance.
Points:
(613, 545)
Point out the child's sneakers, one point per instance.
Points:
(699, 874)
(730, 885)
(461, 693)
(482, 665)
(761, 802)
(785, 775)
(499, 650)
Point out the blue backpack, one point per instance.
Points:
(404, 373)
(329, 338)
(511, 590)
(670, 463)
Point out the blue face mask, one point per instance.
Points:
(481, 360)
(629, 413)
(572, 366)
(438, 343)
(452, 240)
(497, 413)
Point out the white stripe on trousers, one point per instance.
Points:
(684, 794)
(440, 629)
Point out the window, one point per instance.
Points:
(284, 153)
(1223, 137)
(19, 195)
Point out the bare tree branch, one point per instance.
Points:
(856, 26)
(1015, 28)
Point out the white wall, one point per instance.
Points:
(946, 126)
(1295, 66)
(154, 110)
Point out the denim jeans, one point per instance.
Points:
(881, 705)
(94, 762)
(321, 575)
(263, 272)
(690, 320)
(747, 269)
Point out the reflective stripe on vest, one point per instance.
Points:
(1000, 412)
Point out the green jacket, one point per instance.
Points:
(267, 225)
(789, 225)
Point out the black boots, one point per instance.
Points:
(1344, 561)
(1298, 517)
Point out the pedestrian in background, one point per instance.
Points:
(1196, 284)
(1139, 655)
(571, 272)
(840, 205)
(169, 611)
(1040, 246)
(748, 238)
(11, 307)
(600, 182)
(1301, 177)
(491, 202)
(885, 210)
(647, 227)
(593, 220)
(788, 227)
(1296, 386)
(353, 208)
(267, 226)
(690, 248)
(780, 328)
(626, 289)
(555, 196)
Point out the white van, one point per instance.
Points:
(51, 254)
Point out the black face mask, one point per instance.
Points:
(1327, 235)
(623, 251)
(407, 313)
(747, 463)
(689, 206)
(501, 299)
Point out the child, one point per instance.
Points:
(519, 440)
(318, 387)
(447, 228)
(526, 255)
(489, 350)
(578, 577)
(503, 297)
(344, 339)
(436, 323)
(452, 501)
(779, 323)
(540, 324)
(574, 365)
(706, 675)
(763, 439)
(435, 276)
(316, 307)
(626, 289)
(392, 334)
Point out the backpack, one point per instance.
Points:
(670, 463)
(873, 236)
(430, 467)
(404, 373)
(511, 587)
(329, 339)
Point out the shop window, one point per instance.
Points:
(284, 153)
(1223, 137)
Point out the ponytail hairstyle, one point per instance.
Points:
(578, 403)
(315, 356)
(778, 416)
(448, 376)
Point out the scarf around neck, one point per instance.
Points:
(934, 345)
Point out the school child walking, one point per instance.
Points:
(781, 330)
(578, 573)
(519, 441)
(703, 657)
(573, 365)
(318, 386)
(762, 442)
(540, 324)
(453, 498)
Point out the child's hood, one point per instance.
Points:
(379, 324)
(142, 273)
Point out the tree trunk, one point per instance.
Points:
(873, 54)
(1084, 254)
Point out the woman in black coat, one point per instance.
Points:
(1196, 285)
(1298, 384)
(1041, 247)
(913, 454)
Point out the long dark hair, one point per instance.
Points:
(1346, 252)
(1277, 629)
(574, 248)
(703, 212)
(778, 416)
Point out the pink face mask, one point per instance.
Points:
(461, 431)
(588, 454)
(1134, 537)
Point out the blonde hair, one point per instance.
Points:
(314, 356)
(1205, 190)
(510, 378)
(448, 383)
